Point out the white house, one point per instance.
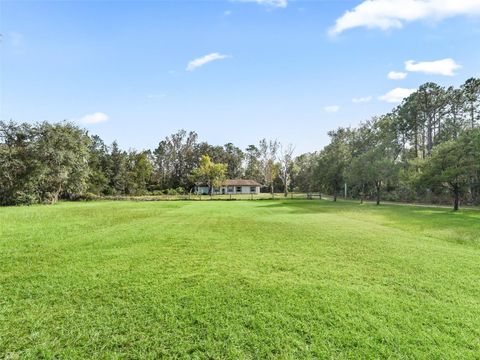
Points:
(231, 187)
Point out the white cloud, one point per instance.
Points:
(332, 108)
(362, 100)
(192, 65)
(387, 14)
(444, 67)
(227, 12)
(396, 95)
(269, 3)
(94, 118)
(396, 75)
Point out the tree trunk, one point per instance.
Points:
(334, 196)
(455, 135)
(429, 136)
(475, 188)
(56, 196)
(377, 186)
(416, 137)
(456, 198)
(423, 143)
(473, 116)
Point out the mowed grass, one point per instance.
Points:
(239, 279)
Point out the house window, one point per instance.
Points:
(239, 189)
(253, 189)
(230, 189)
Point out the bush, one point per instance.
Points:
(84, 197)
(22, 198)
(177, 191)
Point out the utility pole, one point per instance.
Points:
(345, 190)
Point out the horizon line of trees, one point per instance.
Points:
(45, 162)
(426, 149)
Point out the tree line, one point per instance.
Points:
(426, 149)
(44, 162)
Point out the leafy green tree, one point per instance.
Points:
(62, 155)
(118, 177)
(471, 91)
(304, 179)
(286, 164)
(373, 168)
(175, 158)
(357, 176)
(253, 165)
(18, 182)
(331, 165)
(209, 173)
(140, 170)
(451, 165)
(454, 120)
(233, 158)
(99, 166)
(431, 103)
(270, 169)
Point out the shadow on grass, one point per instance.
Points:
(299, 206)
(460, 227)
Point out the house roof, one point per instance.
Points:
(241, 182)
(236, 182)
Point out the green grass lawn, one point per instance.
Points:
(239, 279)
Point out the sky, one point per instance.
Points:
(233, 71)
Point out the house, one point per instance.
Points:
(231, 187)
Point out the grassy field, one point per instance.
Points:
(239, 279)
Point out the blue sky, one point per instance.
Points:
(291, 70)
